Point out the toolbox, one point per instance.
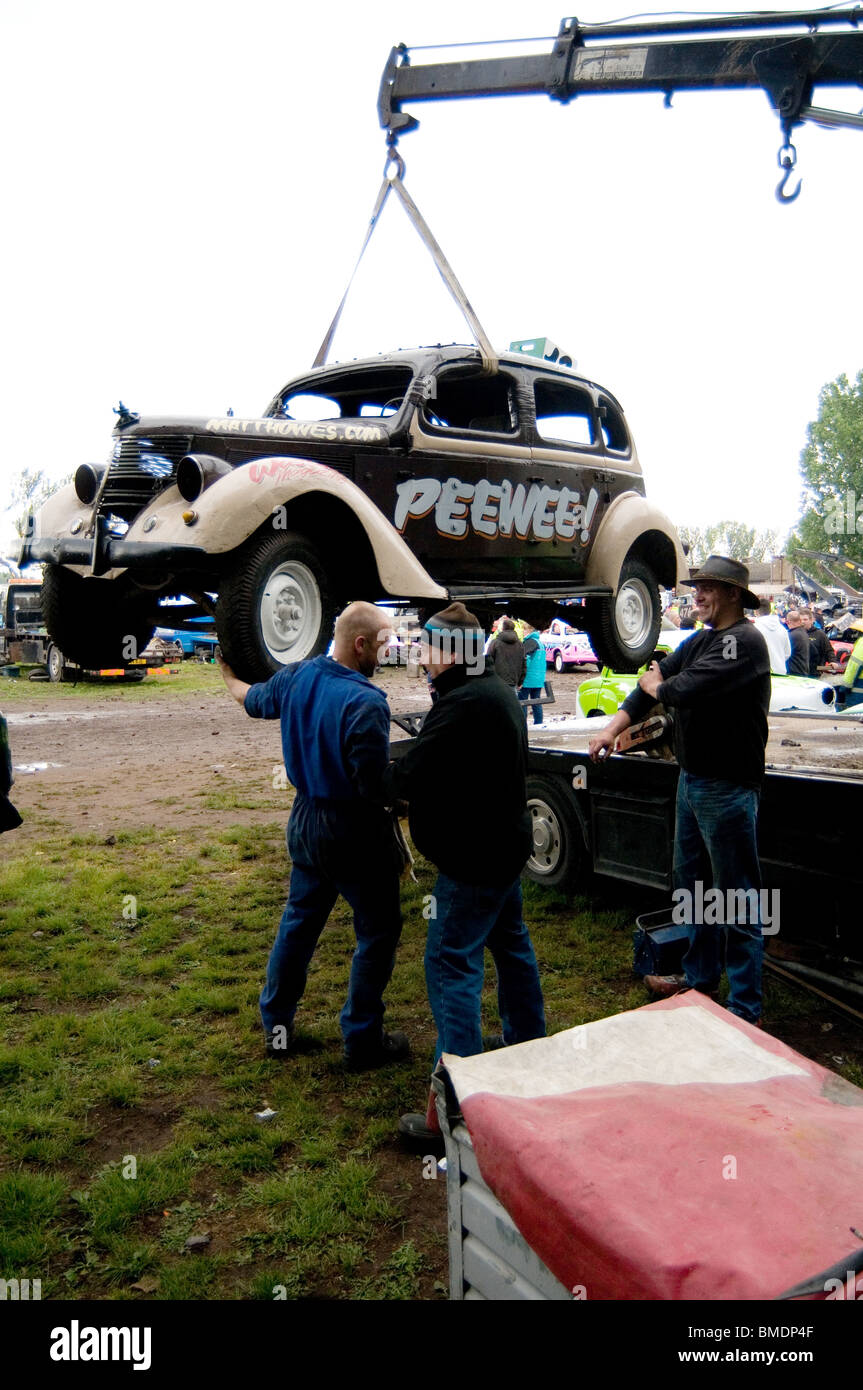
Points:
(658, 944)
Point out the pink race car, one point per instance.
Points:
(566, 646)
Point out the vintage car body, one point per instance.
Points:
(566, 646)
(412, 477)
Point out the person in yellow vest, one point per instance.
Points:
(852, 679)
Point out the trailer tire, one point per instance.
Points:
(559, 855)
(55, 664)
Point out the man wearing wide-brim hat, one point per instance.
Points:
(718, 685)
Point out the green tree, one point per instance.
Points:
(732, 538)
(831, 466)
(692, 540)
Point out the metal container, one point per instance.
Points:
(488, 1257)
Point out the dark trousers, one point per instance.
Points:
(322, 870)
(715, 841)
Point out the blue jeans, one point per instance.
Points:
(530, 692)
(467, 918)
(715, 841)
(371, 888)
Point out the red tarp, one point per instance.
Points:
(673, 1152)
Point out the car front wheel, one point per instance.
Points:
(94, 622)
(274, 607)
(624, 629)
(558, 662)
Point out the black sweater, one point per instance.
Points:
(718, 684)
(798, 662)
(464, 779)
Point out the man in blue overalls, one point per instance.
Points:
(335, 740)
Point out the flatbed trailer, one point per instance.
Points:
(615, 819)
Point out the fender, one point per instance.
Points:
(235, 505)
(625, 521)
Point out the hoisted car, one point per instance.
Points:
(409, 478)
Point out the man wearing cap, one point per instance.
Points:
(718, 685)
(468, 815)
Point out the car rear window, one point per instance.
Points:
(614, 432)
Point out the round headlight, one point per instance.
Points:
(197, 471)
(87, 480)
(190, 479)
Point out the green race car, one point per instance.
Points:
(605, 693)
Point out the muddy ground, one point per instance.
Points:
(113, 756)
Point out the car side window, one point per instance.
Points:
(564, 413)
(614, 431)
(466, 401)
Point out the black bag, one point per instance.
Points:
(658, 943)
(9, 817)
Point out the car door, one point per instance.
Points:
(457, 495)
(581, 444)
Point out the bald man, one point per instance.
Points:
(335, 741)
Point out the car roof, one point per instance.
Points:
(438, 354)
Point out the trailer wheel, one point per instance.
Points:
(624, 629)
(55, 662)
(275, 606)
(558, 857)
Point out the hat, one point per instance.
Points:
(454, 618)
(717, 569)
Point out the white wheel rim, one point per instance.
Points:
(291, 611)
(633, 613)
(547, 834)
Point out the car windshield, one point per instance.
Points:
(374, 393)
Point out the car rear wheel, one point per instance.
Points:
(275, 606)
(558, 662)
(624, 629)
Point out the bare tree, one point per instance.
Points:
(30, 488)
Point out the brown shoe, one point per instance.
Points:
(665, 985)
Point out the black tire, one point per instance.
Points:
(558, 663)
(95, 622)
(55, 664)
(624, 629)
(275, 606)
(559, 857)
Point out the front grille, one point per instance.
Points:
(140, 467)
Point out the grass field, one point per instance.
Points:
(132, 1046)
(132, 1067)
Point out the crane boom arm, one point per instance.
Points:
(653, 57)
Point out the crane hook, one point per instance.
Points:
(787, 159)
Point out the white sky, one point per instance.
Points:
(187, 184)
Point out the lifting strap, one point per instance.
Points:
(394, 181)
